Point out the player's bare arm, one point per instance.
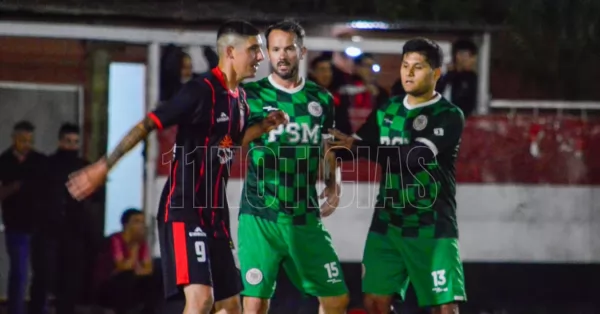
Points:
(272, 121)
(412, 155)
(84, 182)
(137, 134)
(332, 178)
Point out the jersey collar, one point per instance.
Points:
(287, 90)
(219, 75)
(432, 101)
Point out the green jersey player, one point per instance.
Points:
(279, 223)
(413, 235)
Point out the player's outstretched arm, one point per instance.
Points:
(389, 155)
(137, 134)
(189, 99)
(271, 122)
(86, 181)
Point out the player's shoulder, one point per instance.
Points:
(313, 87)
(200, 83)
(445, 107)
(253, 87)
(391, 102)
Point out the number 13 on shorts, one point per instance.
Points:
(439, 279)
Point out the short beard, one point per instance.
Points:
(286, 76)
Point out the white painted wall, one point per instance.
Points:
(498, 223)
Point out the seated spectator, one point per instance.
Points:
(124, 274)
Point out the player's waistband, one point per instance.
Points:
(312, 215)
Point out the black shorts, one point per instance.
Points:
(190, 256)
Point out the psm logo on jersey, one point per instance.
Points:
(315, 109)
(420, 123)
(224, 153)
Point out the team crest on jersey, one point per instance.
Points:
(420, 123)
(315, 109)
(254, 276)
(225, 153)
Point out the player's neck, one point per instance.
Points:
(289, 84)
(231, 78)
(415, 100)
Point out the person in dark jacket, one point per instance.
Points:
(459, 84)
(176, 70)
(22, 191)
(59, 242)
(374, 95)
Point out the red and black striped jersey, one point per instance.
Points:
(211, 121)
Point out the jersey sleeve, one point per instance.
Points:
(445, 131)
(255, 105)
(191, 98)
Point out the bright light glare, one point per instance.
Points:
(369, 25)
(353, 52)
(376, 68)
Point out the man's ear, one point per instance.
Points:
(229, 52)
(437, 73)
(303, 52)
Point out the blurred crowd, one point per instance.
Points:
(71, 262)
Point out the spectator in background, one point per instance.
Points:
(373, 95)
(212, 58)
(22, 192)
(125, 278)
(320, 71)
(176, 70)
(343, 89)
(459, 84)
(58, 243)
(187, 68)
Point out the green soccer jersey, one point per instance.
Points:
(283, 164)
(420, 200)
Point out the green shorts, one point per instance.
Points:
(433, 266)
(305, 252)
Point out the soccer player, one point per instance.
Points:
(413, 234)
(210, 112)
(279, 221)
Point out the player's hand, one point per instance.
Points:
(340, 140)
(86, 181)
(332, 199)
(273, 120)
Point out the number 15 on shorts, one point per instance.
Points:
(332, 272)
